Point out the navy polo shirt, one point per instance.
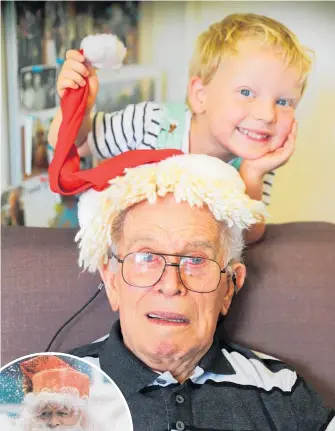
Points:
(232, 388)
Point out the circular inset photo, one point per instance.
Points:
(56, 391)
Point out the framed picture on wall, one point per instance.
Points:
(38, 88)
(36, 153)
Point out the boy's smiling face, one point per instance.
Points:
(248, 106)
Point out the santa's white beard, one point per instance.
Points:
(35, 403)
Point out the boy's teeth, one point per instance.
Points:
(252, 134)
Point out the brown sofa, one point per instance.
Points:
(286, 308)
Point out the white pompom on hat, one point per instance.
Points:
(104, 51)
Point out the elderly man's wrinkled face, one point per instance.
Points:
(168, 321)
(58, 418)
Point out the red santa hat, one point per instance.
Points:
(51, 374)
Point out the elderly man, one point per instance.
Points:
(167, 239)
(165, 230)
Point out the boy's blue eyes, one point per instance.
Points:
(245, 92)
(282, 102)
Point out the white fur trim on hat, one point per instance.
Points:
(104, 51)
(194, 178)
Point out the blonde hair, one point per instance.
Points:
(222, 38)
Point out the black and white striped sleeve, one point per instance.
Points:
(136, 126)
(267, 187)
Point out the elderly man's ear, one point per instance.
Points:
(235, 281)
(108, 275)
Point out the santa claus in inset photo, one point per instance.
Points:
(57, 397)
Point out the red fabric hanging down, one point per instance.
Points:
(64, 171)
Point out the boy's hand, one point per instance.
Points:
(271, 161)
(74, 69)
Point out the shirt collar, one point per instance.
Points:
(131, 375)
(128, 372)
(214, 360)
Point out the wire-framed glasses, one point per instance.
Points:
(198, 274)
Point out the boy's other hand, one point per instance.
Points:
(72, 74)
(273, 160)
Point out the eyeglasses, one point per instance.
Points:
(197, 274)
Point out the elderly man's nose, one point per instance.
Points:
(170, 283)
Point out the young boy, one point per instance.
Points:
(247, 75)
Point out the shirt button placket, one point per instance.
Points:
(182, 410)
(180, 399)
